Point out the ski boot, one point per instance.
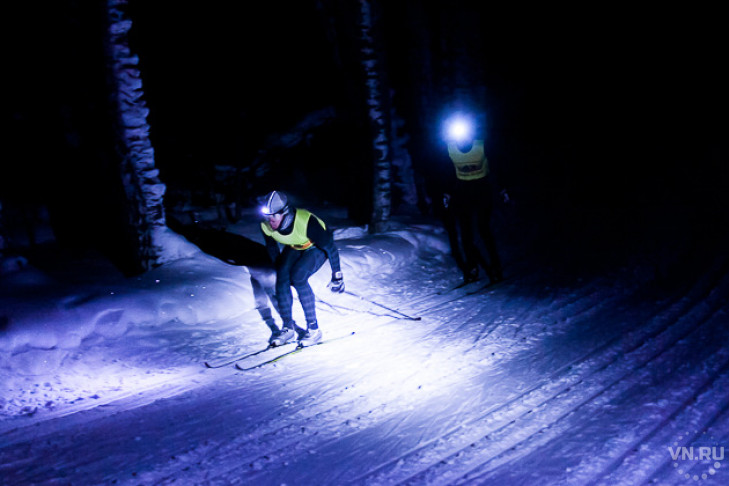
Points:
(470, 275)
(310, 337)
(279, 338)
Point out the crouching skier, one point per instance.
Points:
(307, 243)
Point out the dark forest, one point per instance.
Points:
(606, 120)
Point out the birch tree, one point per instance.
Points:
(371, 50)
(143, 189)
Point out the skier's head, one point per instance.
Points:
(274, 203)
(275, 209)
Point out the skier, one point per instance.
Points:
(468, 203)
(307, 244)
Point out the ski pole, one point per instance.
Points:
(334, 307)
(383, 306)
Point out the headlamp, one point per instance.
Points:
(458, 128)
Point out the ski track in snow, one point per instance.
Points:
(518, 384)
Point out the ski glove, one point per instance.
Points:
(337, 283)
(446, 200)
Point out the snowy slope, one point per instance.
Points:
(542, 379)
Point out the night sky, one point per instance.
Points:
(610, 108)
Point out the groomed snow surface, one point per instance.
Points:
(543, 379)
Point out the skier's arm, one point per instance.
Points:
(271, 247)
(324, 240)
(498, 180)
(444, 180)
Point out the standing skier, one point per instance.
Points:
(468, 205)
(307, 244)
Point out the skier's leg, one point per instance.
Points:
(475, 203)
(310, 261)
(284, 297)
(465, 220)
(451, 227)
(483, 220)
(261, 299)
(487, 236)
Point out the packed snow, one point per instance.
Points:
(545, 378)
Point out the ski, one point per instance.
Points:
(400, 315)
(444, 292)
(479, 290)
(296, 350)
(484, 287)
(459, 286)
(450, 297)
(242, 357)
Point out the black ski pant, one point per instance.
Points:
(467, 219)
(293, 268)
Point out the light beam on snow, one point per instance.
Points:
(418, 376)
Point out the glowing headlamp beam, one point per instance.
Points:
(459, 129)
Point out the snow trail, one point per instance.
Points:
(585, 399)
(533, 381)
(602, 363)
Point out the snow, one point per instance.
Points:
(543, 379)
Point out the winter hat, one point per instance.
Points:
(275, 202)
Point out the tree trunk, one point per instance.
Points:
(143, 189)
(3, 240)
(371, 51)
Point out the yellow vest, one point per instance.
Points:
(297, 239)
(471, 165)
